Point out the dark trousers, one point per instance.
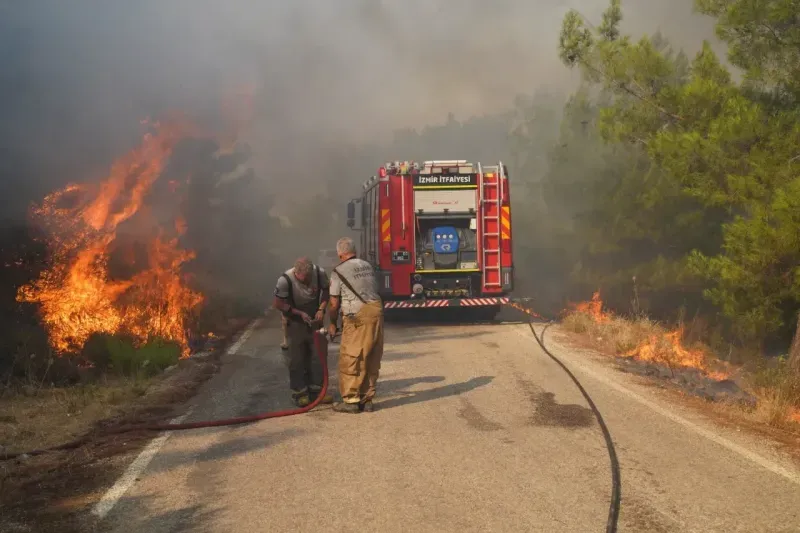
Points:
(305, 370)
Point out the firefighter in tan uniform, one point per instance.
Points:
(302, 295)
(354, 289)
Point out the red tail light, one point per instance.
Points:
(505, 246)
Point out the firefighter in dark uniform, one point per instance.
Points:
(301, 294)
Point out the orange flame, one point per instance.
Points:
(593, 308)
(666, 348)
(669, 349)
(76, 295)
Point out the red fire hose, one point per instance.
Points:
(321, 347)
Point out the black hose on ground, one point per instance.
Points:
(322, 352)
(616, 477)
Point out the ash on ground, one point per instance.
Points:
(692, 381)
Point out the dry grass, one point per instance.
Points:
(776, 389)
(778, 393)
(50, 492)
(36, 415)
(614, 335)
(41, 417)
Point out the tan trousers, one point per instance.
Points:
(360, 353)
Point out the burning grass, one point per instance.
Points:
(641, 339)
(775, 389)
(78, 295)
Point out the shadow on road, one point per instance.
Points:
(455, 316)
(396, 385)
(418, 333)
(225, 448)
(194, 518)
(435, 393)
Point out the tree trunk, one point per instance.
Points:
(794, 350)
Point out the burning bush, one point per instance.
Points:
(172, 245)
(78, 295)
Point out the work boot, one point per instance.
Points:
(302, 400)
(367, 406)
(343, 407)
(325, 399)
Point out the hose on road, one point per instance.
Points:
(616, 477)
(321, 347)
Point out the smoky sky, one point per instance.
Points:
(77, 77)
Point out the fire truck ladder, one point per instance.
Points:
(486, 186)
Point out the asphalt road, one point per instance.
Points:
(476, 430)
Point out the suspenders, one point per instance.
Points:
(291, 290)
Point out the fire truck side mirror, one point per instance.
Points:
(354, 212)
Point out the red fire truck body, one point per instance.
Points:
(438, 233)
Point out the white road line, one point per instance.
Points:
(110, 498)
(243, 337)
(732, 446)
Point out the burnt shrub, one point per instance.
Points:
(24, 348)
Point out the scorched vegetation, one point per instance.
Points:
(117, 279)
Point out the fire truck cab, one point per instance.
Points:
(438, 233)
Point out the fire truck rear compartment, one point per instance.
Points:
(446, 244)
(445, 284)
(446, 257)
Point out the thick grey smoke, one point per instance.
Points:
(77, 77)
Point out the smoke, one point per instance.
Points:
(326, 81)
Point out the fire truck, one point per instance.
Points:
(438, 234)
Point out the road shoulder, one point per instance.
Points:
(55, 491)
(771, 449)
